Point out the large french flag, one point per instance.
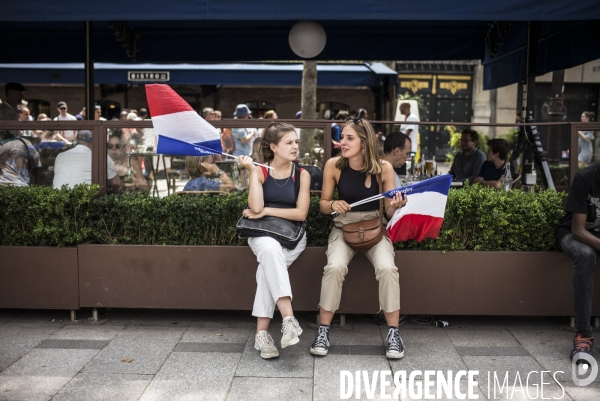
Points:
(423, 215)
(181, 131)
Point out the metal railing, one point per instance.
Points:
(100, 134)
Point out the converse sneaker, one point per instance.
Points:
(291, 330)
(395, 346)
(264, 343)
(321, 344)
(581, 345)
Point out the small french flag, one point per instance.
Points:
(423, 215)
(181, 131)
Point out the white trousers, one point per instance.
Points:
(272, 279)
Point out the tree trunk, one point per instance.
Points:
(309, 108)
(556, 111)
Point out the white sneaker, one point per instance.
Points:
(265, 344)
(291, 330)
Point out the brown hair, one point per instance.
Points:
(193, 164)
(269, 114)
(368, 140)
(589, 114)
(272, 135)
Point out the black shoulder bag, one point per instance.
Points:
(287, 233)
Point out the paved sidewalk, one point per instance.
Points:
(198, 355)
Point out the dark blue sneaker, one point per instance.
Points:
(395, 346)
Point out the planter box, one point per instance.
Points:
(39, 278)
(205, 277)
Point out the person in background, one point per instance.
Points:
(63, 115)
(49, 135)
(74, 166)
(468, 161)
(24, 115)
(411, 129)
(98, 113)
(208, 114)
(357, 175)
(123, 115)
(494, 168)
(336, 132)
(20, 164)
(242, 137)
(578, 236)
(585, 141)
(81, 115)
(362, 113)
(396, 150)
(201, 169)
(116, 151)
(15, 93)
(276, 188)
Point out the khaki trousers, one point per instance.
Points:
(339, 255)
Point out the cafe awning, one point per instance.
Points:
(202, 31)
(238, 74)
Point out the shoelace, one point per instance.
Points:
(393, 339)
(582, 344)
(265, 339)
(321, 340)
(288, 326)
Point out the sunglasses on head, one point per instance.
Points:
(356, 121)
(115, 146)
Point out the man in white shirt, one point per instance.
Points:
(63, 115)
(410, 130)
(396, 150)
(75, 166)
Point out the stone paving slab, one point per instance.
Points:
(102, 387)
(356, 350)
(42, 373)
(502, 364)
(475, 351)
(214, 335)
(145, 358)
(73, 344)
(498, 337)
(270, 389)
(588, 393)
(210, 347)
(17, 340)
(424, 359)
(294, 361)
(193, 376)
(88, 331)
(169, 335)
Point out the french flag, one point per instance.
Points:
(181, 131)
(423, 215)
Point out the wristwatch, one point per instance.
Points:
(220, 173)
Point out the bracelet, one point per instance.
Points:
(220, 173)
(331, 205)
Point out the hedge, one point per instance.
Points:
(477, 218)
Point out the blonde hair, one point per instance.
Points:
(368, 140)
(273, 134)
(193, 164)
(269, 114)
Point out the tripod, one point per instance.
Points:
(529, 145)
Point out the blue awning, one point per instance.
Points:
(202, 31)
(366, 74)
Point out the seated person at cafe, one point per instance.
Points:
(396, 150)
(467, 163)
(200, 168)
(75, 166)
(20, 164)
(116, 151)
(494, 168)
(578, 236)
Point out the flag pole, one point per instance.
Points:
(258, 164)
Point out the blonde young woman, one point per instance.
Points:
(275, 187)
(356, 175)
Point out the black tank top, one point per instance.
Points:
(279, 193)
(351, 188)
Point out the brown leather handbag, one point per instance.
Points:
(362, 235)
